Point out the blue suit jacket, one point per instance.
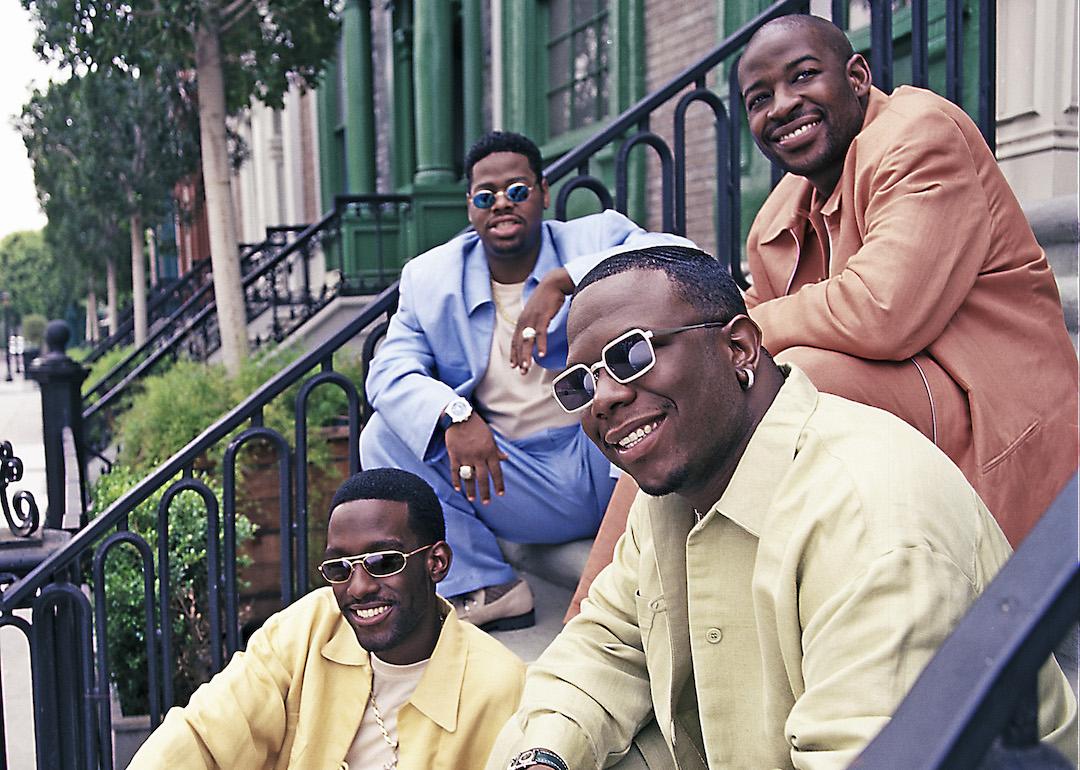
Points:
(439, 341)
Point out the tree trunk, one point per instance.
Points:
(112, 296)
(138, 279)
(224, 257)
(151, 241)
(93, 330)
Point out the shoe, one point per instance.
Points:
(497, 608)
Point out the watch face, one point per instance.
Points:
(459, 411)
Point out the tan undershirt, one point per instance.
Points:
(392, 685)
(515, 405)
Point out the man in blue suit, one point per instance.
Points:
(452, 408)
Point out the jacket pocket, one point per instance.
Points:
(1003, 455)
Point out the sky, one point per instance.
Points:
(22, 70)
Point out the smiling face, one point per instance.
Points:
(397, 616)
(509, 231)
(681, 426)
(804, 102)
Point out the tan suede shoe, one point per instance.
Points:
(497, 608)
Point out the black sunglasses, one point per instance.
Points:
(625, 358)
(378, 564)
(518, 192)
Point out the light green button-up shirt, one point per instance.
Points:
(784, 628)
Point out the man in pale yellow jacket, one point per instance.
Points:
(373, 672)
(792, 563)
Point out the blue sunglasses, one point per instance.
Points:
(518, 192)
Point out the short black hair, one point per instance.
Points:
(697, 278)
(504, 141)
(425, 512)
(833, 38)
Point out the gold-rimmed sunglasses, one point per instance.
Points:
(378, 564)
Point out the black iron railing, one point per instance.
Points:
(71, 685)
(190, 294)
(277, 286)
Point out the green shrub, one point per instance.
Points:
(176, 406)
(33, 329)
(188, 583)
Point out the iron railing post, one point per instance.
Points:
(61, 381)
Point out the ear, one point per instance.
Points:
(744, 342)
(546, 191)
(439, 558)
(858, 74)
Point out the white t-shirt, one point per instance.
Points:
(515, 405)
(392, 686)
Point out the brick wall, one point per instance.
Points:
(676, 35)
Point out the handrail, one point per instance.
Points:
(36, 578)
(967, 694)
(631, 116)
(210, 307)
(201, 268)
(174, 291)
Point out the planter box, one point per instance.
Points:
(128, 732)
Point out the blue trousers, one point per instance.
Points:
(557, 488)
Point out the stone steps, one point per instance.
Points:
(1057, 227)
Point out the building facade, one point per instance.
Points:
(416, 81)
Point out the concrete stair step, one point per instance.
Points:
(552, 572)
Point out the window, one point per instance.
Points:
(578, 46)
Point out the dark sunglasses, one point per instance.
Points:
(378, 564)
(625, 358)
(518, 192)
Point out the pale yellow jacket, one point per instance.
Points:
(296, 696)
(783, 629)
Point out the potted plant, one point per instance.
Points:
(33, 332)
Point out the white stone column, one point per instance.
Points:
(1037, 86)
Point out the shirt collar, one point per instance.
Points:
(439, 690)
(768, 456)
(477, 287)
(801, 191)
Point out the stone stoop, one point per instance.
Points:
(552, 572)
(1056, 224)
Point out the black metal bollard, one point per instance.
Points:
(61, 381)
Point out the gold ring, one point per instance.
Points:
(528, 333)
(465, 472)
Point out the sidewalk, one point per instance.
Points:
(20, 423)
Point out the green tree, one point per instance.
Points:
(37, 281)
(238, 50)
(107, 147)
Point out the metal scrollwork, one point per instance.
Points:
(22, 513)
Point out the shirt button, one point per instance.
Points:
(714, 635)
(655, 605)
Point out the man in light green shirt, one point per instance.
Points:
(792, 563)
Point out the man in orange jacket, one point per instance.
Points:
(894, 265)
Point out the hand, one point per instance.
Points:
(545, 301)
(471, 443)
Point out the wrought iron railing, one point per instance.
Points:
(278, 283)
(190, 294)
(66, 628)
(164, 300)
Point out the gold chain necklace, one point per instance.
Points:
(499, 308)
(393, 744)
